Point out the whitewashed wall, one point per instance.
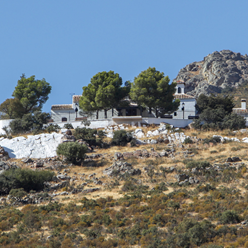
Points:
(174, 122)
(189, 109)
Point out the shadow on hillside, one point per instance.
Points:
(9, 151)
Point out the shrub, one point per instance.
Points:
(121, 138)
(229, 217)
(29, 122)
(68, 126)
(52, 128)
(188, 141)
(197, 164)
(86, 134)
(19, 193)
(23, 178)
(73, 151)
(214, 139)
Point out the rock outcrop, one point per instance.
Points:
(217, 71)
(121, 168)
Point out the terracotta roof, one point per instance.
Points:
(183, 96)
(180, 82)
(240, 111)
(76, 98)
(62, 106)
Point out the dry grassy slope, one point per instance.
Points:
(216, 153)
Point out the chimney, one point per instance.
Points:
(243, 103)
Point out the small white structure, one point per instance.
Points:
(186, 109)
(242, 111)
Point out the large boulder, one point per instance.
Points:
(217, 71)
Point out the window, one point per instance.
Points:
(64, 119)
(175, 113)
(179, 90)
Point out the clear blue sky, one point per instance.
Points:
(68, 42)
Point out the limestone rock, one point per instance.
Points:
(121, 168)
(217, 71)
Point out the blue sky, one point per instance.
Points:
(68, 42)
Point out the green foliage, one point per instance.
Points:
(104, 92)
(12, 108)
(214, 102)
(188, 141)
(86, 122)
(29, 122)
(52, 128)
(68, 126)
(19, 193)
(121, 138)
(23, 178)
(32, 93)
(229, 217)
(72, 151)
(152, 89)
(216, 113)
(214, 140)
(89, 135)
(197, 164)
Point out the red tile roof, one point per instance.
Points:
(76, 98)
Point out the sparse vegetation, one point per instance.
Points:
(147, 210)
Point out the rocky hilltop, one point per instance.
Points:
(218, 71)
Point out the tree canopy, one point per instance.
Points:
(31, 93)
(12, 108)
(216, 113)
(103, 93)
(152, 89)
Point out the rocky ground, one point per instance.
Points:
(217, 71)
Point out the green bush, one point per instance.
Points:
(19, 193)
(53, 128)
(229, 217)
(73, 151)
(23, 178)
(29, 122)
(214, 140)
(89, 135)
(68, 126)
(197, 164)
(188, 141)
(121, 138)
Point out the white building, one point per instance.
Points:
(242, 110)
(133, 114)
(186, 109)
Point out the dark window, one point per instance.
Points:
(131, 112)
(175, 113)
(179, 90)
(193, 117)
(64, 119)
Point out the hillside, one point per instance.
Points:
(219, 72)
(181, 188)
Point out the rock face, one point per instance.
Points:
(217, 71)
(121, 168)
(34, 146)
